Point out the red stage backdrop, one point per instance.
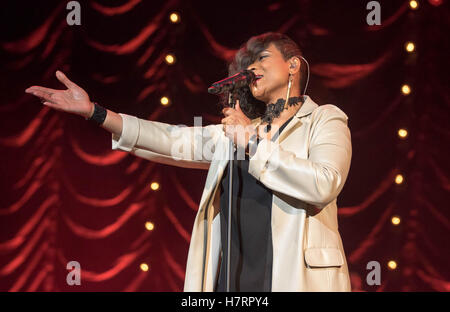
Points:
(66, 196)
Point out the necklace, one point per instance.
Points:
(274, 110)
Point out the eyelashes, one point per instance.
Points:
(261, 57)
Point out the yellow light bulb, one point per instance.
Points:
(406, 89)
(144, 267)
(165, 100)
(174, 17)
(410, 47)
(392, 265)
(149, 226)
(402, 133)
(395, 220)
(170, 59)
(413, 4)
(399, 179)
(154, 186)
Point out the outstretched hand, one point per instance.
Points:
(72, 100)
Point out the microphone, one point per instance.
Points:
(239, 80)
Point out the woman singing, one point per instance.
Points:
(284, 229)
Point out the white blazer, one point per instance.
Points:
(305, 167)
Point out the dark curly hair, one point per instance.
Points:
(246, 55)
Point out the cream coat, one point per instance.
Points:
(306, 167)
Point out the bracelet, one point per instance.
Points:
(99, 115)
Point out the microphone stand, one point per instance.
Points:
(230, 84)
(230, 201)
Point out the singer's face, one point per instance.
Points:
(275, 70)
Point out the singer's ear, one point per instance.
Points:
(294, 66)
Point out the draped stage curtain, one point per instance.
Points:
(67, 196)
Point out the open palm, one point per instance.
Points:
(73, 100)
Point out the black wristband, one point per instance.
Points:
(99, 115)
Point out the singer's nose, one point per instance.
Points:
(253, 69)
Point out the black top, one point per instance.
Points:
(251, 231)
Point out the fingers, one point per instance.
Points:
(229, 110)
(52, 105)
(63, 78)
(238, 107)
(41, 89)
(47, 96)
(226, 111)
(228, 120)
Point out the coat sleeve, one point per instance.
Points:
(318, 179)
(188, 147)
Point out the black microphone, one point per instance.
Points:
(239, 80)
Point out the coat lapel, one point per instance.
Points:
(307, 107)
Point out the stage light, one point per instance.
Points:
(406, 89)
(399, 179)
(175, 17)
(149, 226)
(413, 4)
(402, 133)
(170, 59)
(395, 220)
(165, 100)
(392, 265)
(410, 47)
(144, 267)
(154, 186)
